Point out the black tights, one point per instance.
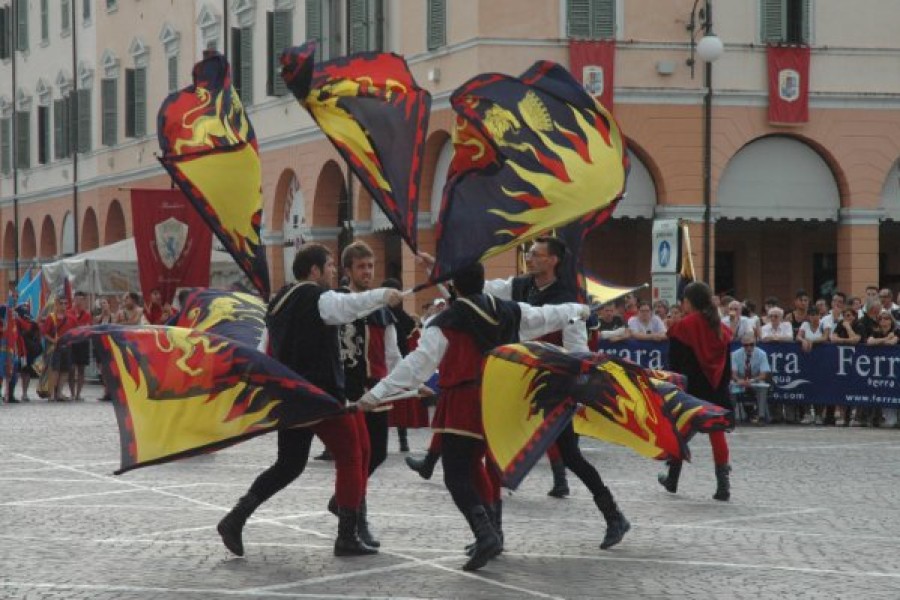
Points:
(377, 424)
(293, 454)
(461, 457)
(567, 442)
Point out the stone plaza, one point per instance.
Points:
(815, 513)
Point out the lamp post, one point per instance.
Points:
(709, 49)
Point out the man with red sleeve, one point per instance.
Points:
(80, 352)
(54, 327)
(302, 324)
(455, 343)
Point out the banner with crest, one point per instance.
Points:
(173, 243)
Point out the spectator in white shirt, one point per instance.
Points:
(811, 331)
(737, 322)
(645, 325)
(776, 330)
(834, 317)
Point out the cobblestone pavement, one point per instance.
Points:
(815, 514)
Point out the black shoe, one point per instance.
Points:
(723, 483)
(487, 542)
(326, 455)
(404, 440)
(616, 523)
(560, 485)
(362, 527)
(232, 525)
(347, 542)
(13, 400)
(423, 466)
(670, 479)
(332, 506)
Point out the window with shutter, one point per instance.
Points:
(785, 21)
(84, 120)
(86, 9)
(66, 13)
(21, 25)
(59, 125)
(6, 146)
(45, 20)
(358, 27)
(772, 14)
(23, 143)
(5, 42)
(43, 134)
(237, 81)
(246, 66)
(591, 19)
(173, 73)
(140, 102)
(281, 36)
(437, 24)
(314, 20)
(129, 102)
(69, 132)
(109, 111)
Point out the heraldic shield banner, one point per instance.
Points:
(173, 242)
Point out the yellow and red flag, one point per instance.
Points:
(531, 391)
(179, 392)
(210, 150)
(376, 115)
(532, 154)
(238, 316)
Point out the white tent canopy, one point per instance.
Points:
(113, 269)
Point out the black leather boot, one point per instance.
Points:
(670, 479)
(616, 523)
(423, 466)
(362, 527)
(326, 455)
(723, 483)
(487, 542)
(404, 440)
(560, 485)
(332, 506)
(495, 512)
(347, 542)
(232, 524)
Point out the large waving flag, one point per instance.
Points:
(600, 291)
(180, 393)
(532, 154)
(34, 294)
(531, 391)
(210, 150)
(376, 115)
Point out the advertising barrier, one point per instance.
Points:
(829, 374)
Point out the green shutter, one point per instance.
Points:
(84, 120)
(358, 34)
(314, 20)
(246, 66)
(4, 32)
(603, 19)
(86, 9)
(282, 37)
(376, 25)
(807, 23)
(773, 15)
(437, 24)
(23, 143)
(66, 14)
(59, 112)
(110, 111)
(45, 21)
(22, 25)
(140, 102)
(129, 102)
(68, 131)
(43, 134)
(578, 18)
(173, 73)
(5, 146)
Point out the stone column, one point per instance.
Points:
(857, 249)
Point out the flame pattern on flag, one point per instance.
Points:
(531, 391)
(210, 150)
(376, 116)
(532, 154)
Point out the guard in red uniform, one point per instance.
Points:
(456, 341)
(302, 323)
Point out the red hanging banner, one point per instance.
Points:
(173, 243)
(788, 84)
(592, 62)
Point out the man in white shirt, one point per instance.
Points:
(777, 329)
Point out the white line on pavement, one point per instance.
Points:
(214, 592)
(787, 513)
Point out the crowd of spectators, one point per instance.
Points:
(871, 320)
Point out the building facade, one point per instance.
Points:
(814, 205)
